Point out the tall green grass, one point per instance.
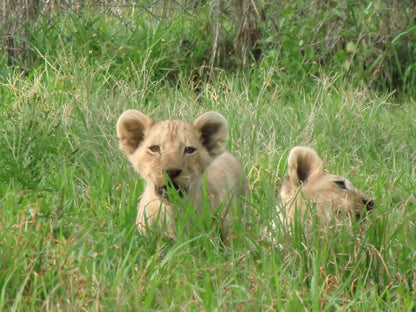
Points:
(68, 196)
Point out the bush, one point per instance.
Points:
(372, 42)
(367, 43)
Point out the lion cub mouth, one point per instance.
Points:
(162, 191)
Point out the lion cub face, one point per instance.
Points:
(171, 152)
(308, 183)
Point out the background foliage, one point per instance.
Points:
(371, 42)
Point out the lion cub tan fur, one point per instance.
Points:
(185, 156)
(307, 184)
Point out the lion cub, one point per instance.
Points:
(181, 156)
(307, 184)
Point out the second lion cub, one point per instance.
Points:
(307, 184)
(181, 156)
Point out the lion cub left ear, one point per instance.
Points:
(213, 129)
(131, 129)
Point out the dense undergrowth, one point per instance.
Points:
(368, 43)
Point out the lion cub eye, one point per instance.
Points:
(189, 150)
(341, 185)
(154, 149)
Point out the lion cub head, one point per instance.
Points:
(171, 152)
(307, 183)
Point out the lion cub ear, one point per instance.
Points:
(213, 129)
(131, 128)
(301, 163)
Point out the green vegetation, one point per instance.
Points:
(68, 196)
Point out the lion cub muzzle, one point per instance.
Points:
(369, 204)
(171, 175)
(162, 191)
(368, 207)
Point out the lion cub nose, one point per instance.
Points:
(369, 203)
(173, 173)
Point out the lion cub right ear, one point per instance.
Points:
(301, 163)
(131, 128)
(212, 127)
